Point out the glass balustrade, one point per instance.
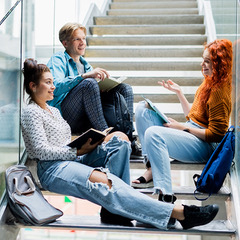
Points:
(10, 85)
(30, 29)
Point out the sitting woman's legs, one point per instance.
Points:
(103, 188)
(113, 154)
(163, 143)
(145, 118)
(82, 107)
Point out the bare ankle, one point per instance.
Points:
(178, 213)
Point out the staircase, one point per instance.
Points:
(149, 41)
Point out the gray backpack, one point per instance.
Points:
(25, 199)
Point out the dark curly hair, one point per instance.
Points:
(32, 72)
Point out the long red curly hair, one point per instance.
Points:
(221, 56)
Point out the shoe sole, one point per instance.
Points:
(143, 185)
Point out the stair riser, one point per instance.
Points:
(163, 98)
(165, 11)
(117, 1)
(143, 52)
(176, 116)
(148, 66)
(149, 29)
(154, 5)
(152, 81)
(147, 40)
(148, 20)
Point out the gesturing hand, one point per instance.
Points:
(170, 85)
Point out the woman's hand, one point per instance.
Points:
(170, 85)
(87, 147)
(99, 73)
(174, 124)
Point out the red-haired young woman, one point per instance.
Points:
(207, 121)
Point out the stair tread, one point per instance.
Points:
(175, 165)
(146, 59)
(149, 25)
(161, 90)
(139, 47)
(189, 190)
(216, 227)
(186, 74)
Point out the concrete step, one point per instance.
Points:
(175, 165)
(159, 94)
(167, 108)
(153, 5)
(158, 11)
(187, 193)
(144, 51)
(147, 40)
(148, 64)
(93, 223)
(147, 29)
(145, 19)
(150, 1)
(150, 78)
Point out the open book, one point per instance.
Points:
(109, 83)
(92, 133)
(162, 116)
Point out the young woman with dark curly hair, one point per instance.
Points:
(207, 121)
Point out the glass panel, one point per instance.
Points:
(237, 95)
(10, 82)
(226, 16)
(224, 13)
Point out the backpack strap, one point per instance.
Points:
(195, 179)
(196, 193)
(28, 180)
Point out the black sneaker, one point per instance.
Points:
(196, 216)
(136, 150)
(110, 218)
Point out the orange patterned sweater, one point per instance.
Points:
(214, 115)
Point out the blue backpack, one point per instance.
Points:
(212, 177)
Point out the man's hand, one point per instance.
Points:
(99, 73)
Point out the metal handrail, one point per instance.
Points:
(10, 11)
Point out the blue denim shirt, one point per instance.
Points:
(65, 74)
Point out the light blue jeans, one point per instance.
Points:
(160, 143)
(72, 178)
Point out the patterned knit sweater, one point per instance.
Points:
(214, 115)
(46, 135)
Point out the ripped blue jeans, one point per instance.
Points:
(72, 178)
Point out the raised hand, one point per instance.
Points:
(170, 85)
